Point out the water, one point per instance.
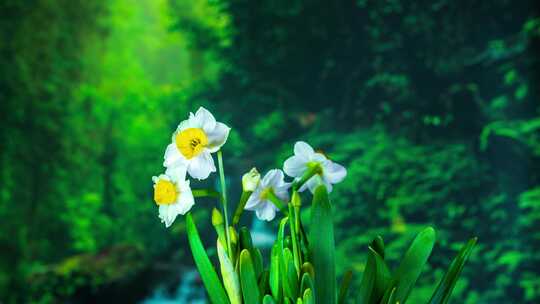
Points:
(261, 234)
(190, 289)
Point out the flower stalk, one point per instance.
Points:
(240, 208)
(281, 205)
(312, 171)
(294, 237)
(224, 200)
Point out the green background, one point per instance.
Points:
(433, 106)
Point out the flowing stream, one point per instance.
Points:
(190, 289)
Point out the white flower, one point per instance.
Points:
(272, 183)
(193, 141)
(250, 180)
(172, 194)
(304, 159)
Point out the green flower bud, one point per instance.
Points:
(217, 218)
(250, 180)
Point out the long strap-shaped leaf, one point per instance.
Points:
(376, 279)
(206, 270)
(411, 266)
(230, 277)
(323, 248)
(250, 289)
(344, 289)
(444, 290)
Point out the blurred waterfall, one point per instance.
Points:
(190, 290)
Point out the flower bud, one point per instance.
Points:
(250, 180)
(217, 218)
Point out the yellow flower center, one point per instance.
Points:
(314, 167)
(165, 192)
(191, 142)
(266, 192)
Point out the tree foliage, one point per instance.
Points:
(432, 107)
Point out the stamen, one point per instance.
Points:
(191, 142)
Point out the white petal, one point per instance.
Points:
(334, 173)
(205, 120)
(282, 193)
(201, 165)
(272, 178)
(217, 136)
(168, 213)
(281, 190)
(172, 156)
(303, 150)
(254, 200)
(186, 124)
(295, 166)
(311, 184)
(185, 200)
(267, 212)
(177, 173)
(318, 157)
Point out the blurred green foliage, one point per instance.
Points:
(433, 108)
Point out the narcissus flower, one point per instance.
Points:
(272, 184)
(250, 180)
(193, 141)
(172, 194)
(305, 161)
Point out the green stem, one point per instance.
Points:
(206, 193)
(294, 238)
(312, 171)
(277, 202)
(240, 208)
(224, 200)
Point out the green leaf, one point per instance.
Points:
(275, 287)
(376, 279)
(268, 300)
(444, 289)
(389, 297)
(308, 297)
(206, 270)
(289, 275)
(245, 239)
(345, 282)
(230, 277)
(378, 245)
(247, 243)
(383, 277)
(366, 290)
(306, 283)
(257, 262)
(323, 247)
(263, 282)
(307, 267)
(248, 280)
(411, 265)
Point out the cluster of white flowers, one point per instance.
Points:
(190, 153)
(304, 161)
